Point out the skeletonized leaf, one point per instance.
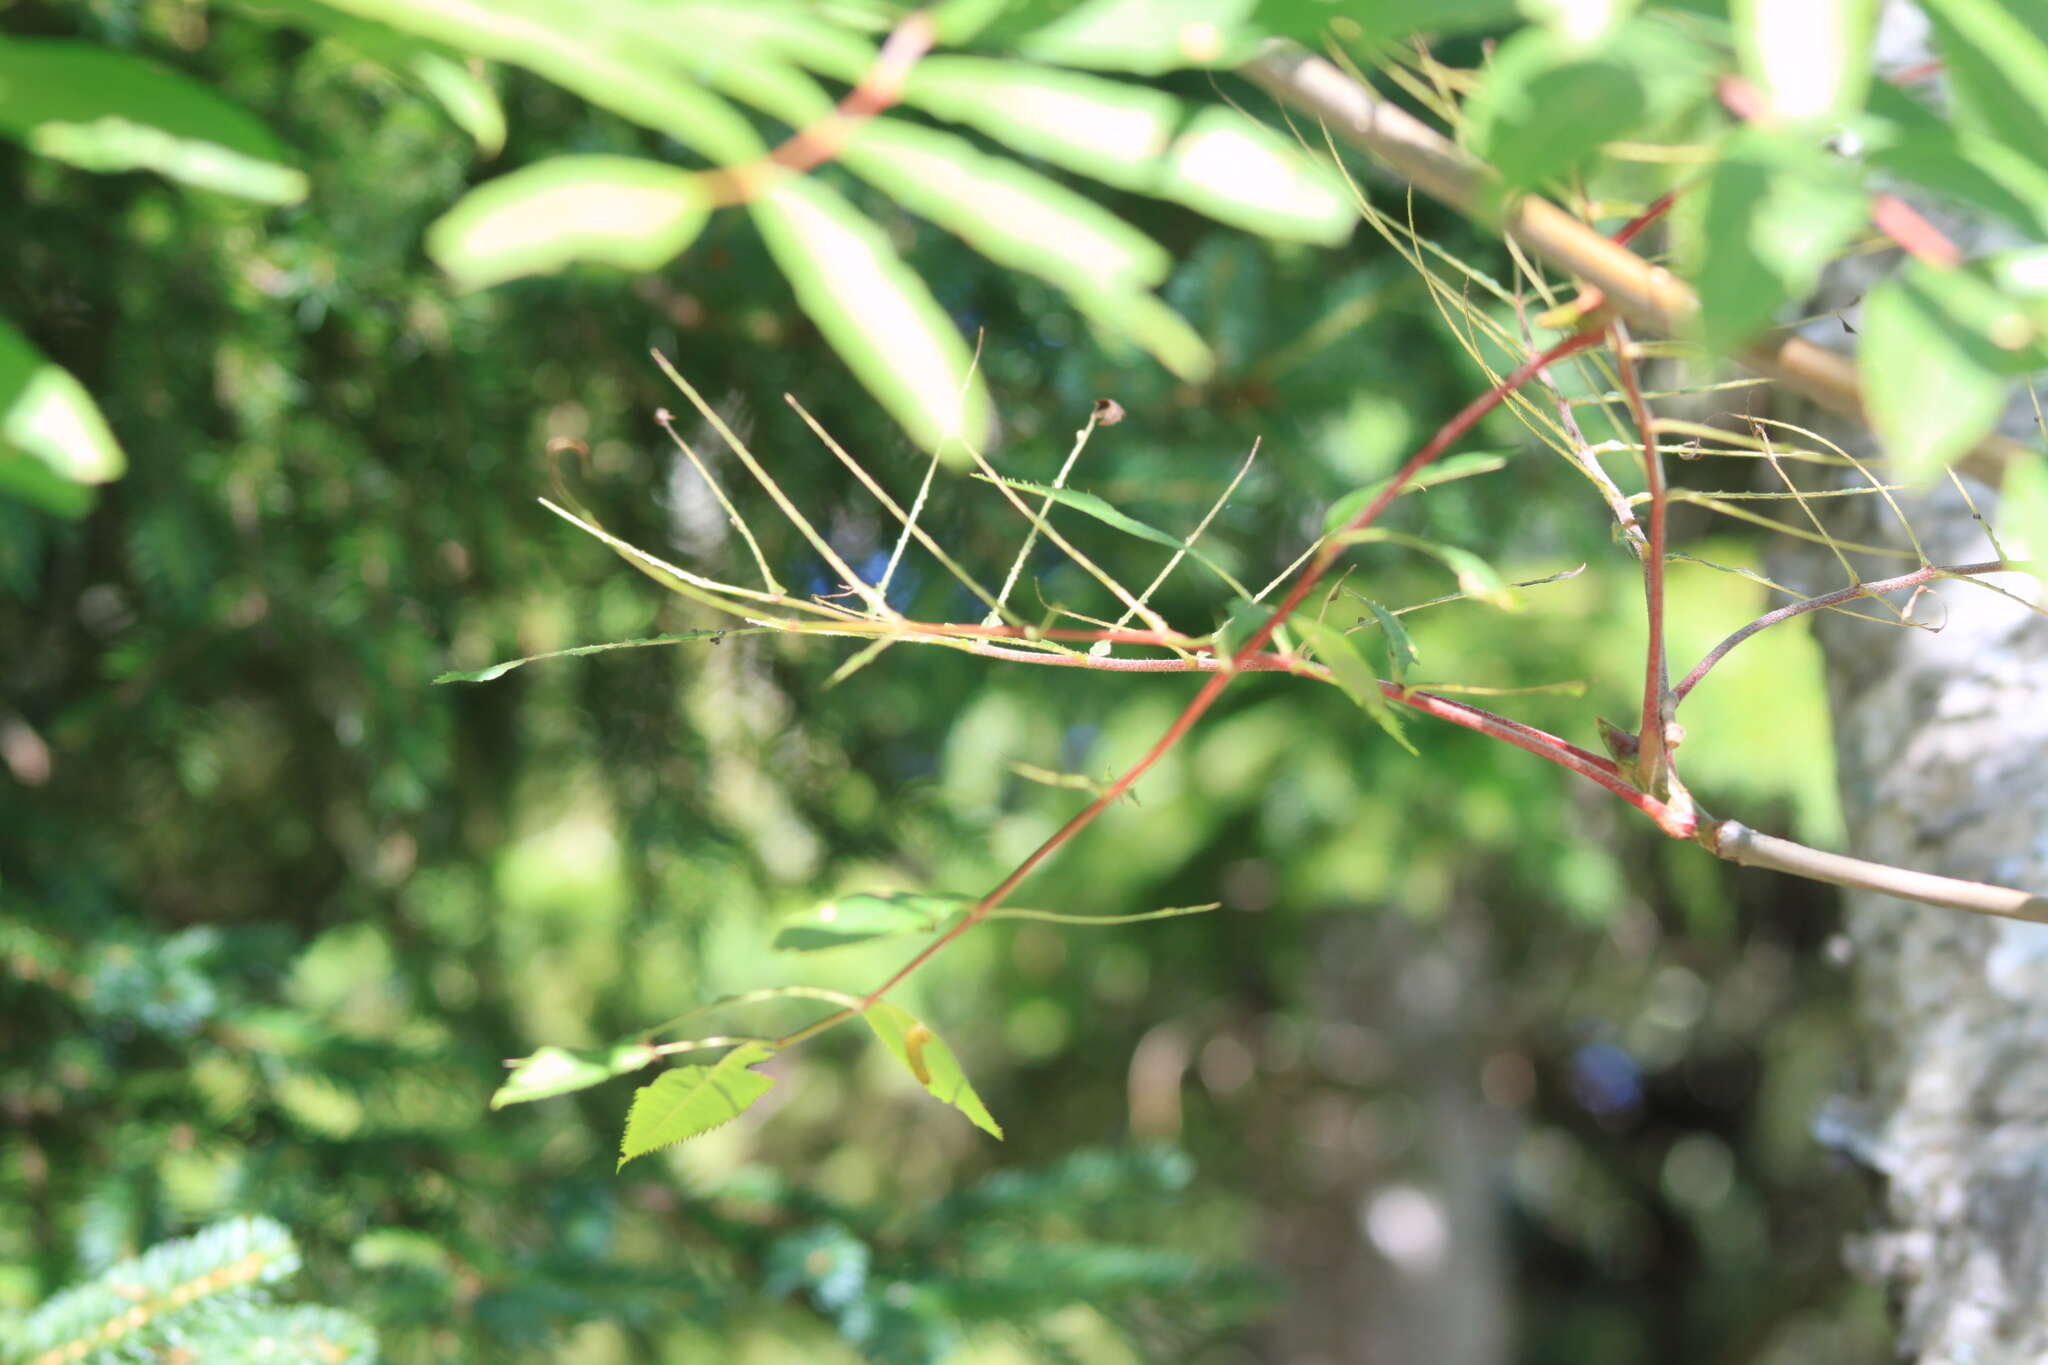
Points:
(1447, 470)
(499, 670)
(1341, 657)
(930, 1060)
(53, 440)
(103, 110)
(876, 313)
(859, 918)
(612, 210)
(560, 1071)
(688, 1100)
(1215, 160)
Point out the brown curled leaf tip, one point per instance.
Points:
(1108, 412)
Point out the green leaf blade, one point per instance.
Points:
(556, 1071)
(691, 1100)
(925, 1055)
(1336, 652)
(1934, 384)
(609, 210)
(54, 442)
(864, 917)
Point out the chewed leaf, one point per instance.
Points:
(1336, 652)
(103, 110)
(560, 1071)
(1443, 471)
(690, 1100)
(877, 314)
(928, 1058)
(856, 919)
(499, 670)
(610, 210)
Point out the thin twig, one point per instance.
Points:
(1740, 844)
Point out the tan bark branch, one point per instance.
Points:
(1649, 297)
(1740, 844)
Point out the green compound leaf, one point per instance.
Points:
(1215, 160)
(876, 314)
(499, 670)
(1448, 470)
(54, 443)
(611, 210)
(1776, 210)
(1334, 648)
(1932, 378)
(102, 110)
(928, 1058)
(560, 1071)
(689, 1100)
(859, 918)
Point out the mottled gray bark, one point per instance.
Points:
(1942, 738)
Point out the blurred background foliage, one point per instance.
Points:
(1466, 1039)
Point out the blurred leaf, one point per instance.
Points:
(859, 918)
(1014, 216)
(1447, 470)
(1389, 18)
(1400, 648)
(465, 96)
(930, 1060)
(578, 49)
(53, 440)
(1144, 319)
(559, 1071)
(2023, 510)
(614, 210)
(1995, 56)
(1934, 383)
(1910, 140)
(688, 1100)
(1476, 577)
(1147, 36)
(1776, 209)
(877, 315)
(499, 670)
(1811, 60)
(1337, 653)
(1214, 160)
(1545, 105)
(102, 110)
(1243, 622)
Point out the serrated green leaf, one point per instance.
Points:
(560, 1071)
(1447, 470)
(1933, 383)
(876, 314)
(1014, 216)
(1400, 647)
(1811, 60)
(689, 1100)
(927, 1057)
(103, 110)
(1776, 209)
(581, 49)
(611, 210)
(53, 440)
(1215, 160)
(1544, 105)
(499, 670)
(859, 918)
(1335, 651)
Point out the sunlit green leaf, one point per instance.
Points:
(1811, 60)
(499, 670)
(1102, 511)
(53, 440)
(688, 1100)
(559, 1071)
(1995, 55)
(1934, 382)
(2023, 511)
(103, 110)
(1544, 106)
(612, 210)
(1775, 210)
(1910, 140)
(1334, 650)
(859, 918)
(1147, 36)
(1214, 160)
(930, 1060)
(877, 314)
(1447, 470)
